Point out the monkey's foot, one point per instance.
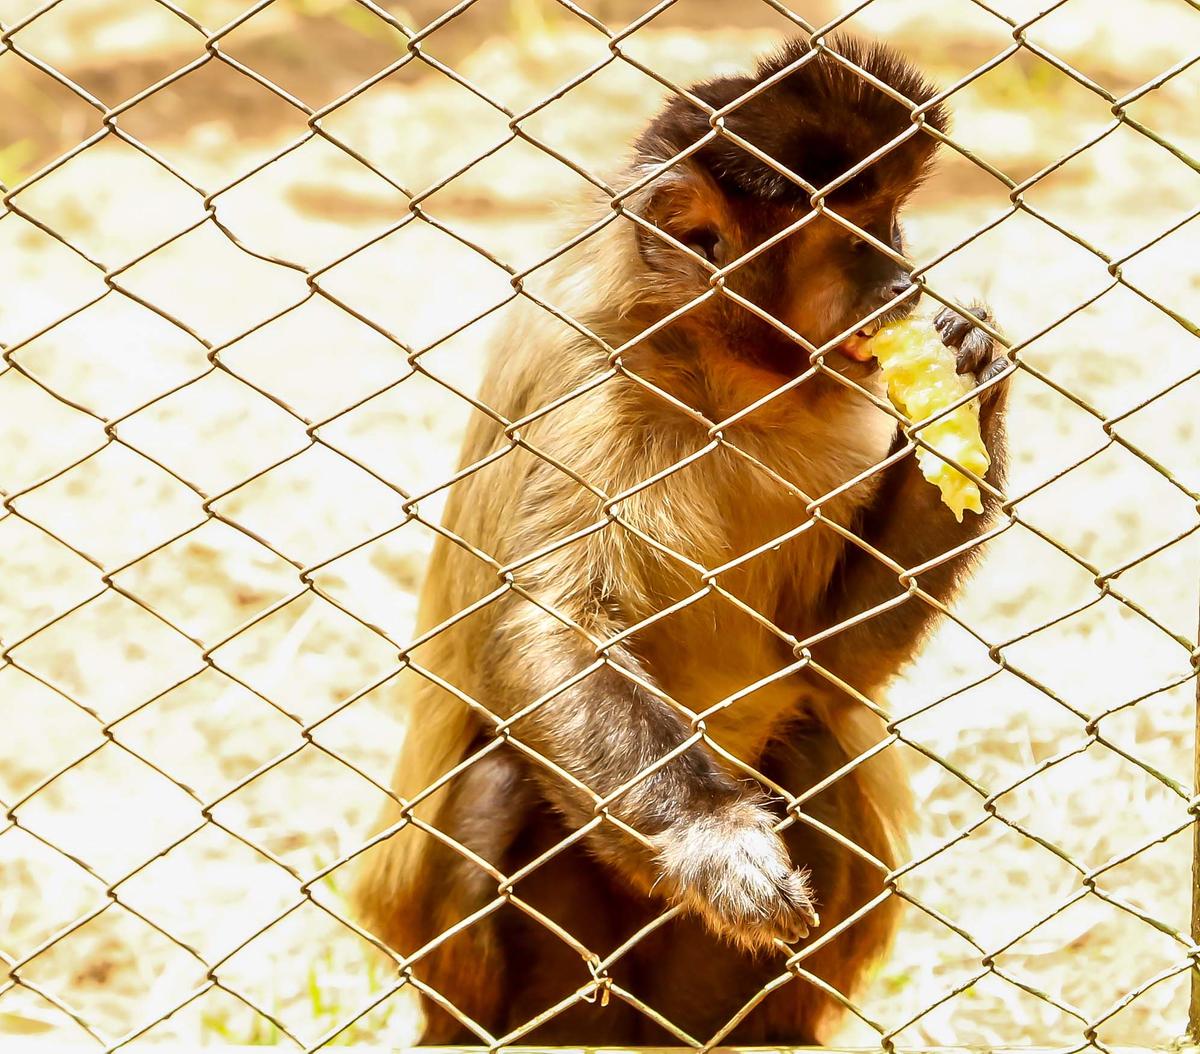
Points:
(733, 870)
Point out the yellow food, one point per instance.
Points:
(921, 380)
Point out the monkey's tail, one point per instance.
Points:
(876, 811)
(881, 780)
(392, 885)
(864, 799)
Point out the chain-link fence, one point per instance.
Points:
(253, 263)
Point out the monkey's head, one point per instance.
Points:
(740, 188)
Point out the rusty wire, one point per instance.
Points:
(208, 652)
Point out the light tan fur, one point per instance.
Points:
(629, 558)
(615, 437)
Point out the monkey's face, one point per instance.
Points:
(821, 280)
(838, 279)
(802, 127)
(788, 280)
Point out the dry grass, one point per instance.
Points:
(214, 881)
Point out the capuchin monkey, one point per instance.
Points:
(625, 674)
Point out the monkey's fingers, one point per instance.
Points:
(732, 870)
(804, 917)
(974, 346)
(953, 325)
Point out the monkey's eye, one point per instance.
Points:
(704, 242)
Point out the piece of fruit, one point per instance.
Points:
(921, 380)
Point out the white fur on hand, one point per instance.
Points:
(732, 869)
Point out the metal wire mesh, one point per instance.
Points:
(112, 578)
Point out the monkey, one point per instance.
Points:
(687, 548)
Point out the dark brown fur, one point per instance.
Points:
(596, 689)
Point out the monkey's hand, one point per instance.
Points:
(928, 370)
(978, 355)
(732, 870)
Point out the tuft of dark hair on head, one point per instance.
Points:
(817, 121)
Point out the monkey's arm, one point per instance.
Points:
(713, 847)
(909, 524)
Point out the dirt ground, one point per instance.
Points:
(200, 772)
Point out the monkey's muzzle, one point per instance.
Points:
(858, 345)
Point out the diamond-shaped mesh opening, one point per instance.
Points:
(1136, 657)
(306, 655)
(30, 757)
(211, 867)
(81, 813)
(320, 486)
(316, 54)
(44, 280)
(1067, 193)
(308, 995)
(1036, 137)
(255, 434)
(1014, 727)
(374, 432)
(1134, 792)
(168, 278)
(98, 200)
(291, 486)
(287, 210)
(299, 796)
(147, 357)
(193, 581)
(316, 359)
(418, 254)
(140, 653)
(78, 969)
(111, 52)
(1105, 60)
(226, 102)
(378, 581)
(105, 484)
(366, 124)
(209, 733)
(1090, 923)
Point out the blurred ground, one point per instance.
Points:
(108, 686)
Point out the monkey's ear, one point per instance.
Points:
(684, 202)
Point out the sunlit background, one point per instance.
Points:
(192, 441)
